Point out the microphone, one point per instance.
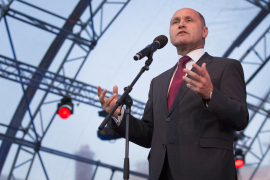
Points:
(158, 43)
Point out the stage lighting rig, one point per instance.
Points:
(65, 108)
(239, 158)
(239, 136)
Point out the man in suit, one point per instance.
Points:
(192, 111)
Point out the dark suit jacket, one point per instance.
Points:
(198, 139)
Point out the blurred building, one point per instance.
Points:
(84, 171)
(141, 167)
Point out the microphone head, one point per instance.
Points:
(162, 40)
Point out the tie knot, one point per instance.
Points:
(183, 60)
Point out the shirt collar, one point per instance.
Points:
(195, 55)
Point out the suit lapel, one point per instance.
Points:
(206, 58)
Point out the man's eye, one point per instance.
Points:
(189, 20)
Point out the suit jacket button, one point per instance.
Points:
(168, 119)
(164, 146)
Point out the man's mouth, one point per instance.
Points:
(182, 32)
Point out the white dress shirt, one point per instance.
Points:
(194, 57)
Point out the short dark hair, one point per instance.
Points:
(202, 19)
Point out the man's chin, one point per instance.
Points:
(181, 44)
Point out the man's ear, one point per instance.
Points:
(205, 32)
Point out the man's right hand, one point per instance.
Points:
(108, 103)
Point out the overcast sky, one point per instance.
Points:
(111, 63)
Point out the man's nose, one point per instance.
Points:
(181, 24)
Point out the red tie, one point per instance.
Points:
(177, 80)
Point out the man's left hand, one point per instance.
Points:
(201, 84)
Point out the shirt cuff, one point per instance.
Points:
(207, 102)
(119, 119)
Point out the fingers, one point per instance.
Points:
(190, 81)
(114, 97)
(107, 103)
(101, 95)
(98, 91)
(204, 69)
(200, 84)
(110, 99)
(115, 90)
(195, 76)
(201, 70)
(198, 68)
(193, 88)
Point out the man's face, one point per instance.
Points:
(186, 29)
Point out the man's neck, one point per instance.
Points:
(184, 50)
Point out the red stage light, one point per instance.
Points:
(65, 107)
(239, 163)
(64, 112)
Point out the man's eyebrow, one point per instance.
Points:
(175, 18)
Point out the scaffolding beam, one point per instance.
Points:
(66, 155)
(44, 64)
(38, 78)
(63, 33)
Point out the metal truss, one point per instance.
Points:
(246, 32)
(257, 55)
(263, 57)
(38, 147)
(57, 83)
(49, 27)
(264, 4)
(79, 91)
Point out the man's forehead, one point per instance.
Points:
(185, 12)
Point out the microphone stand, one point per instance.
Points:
(126, 99)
